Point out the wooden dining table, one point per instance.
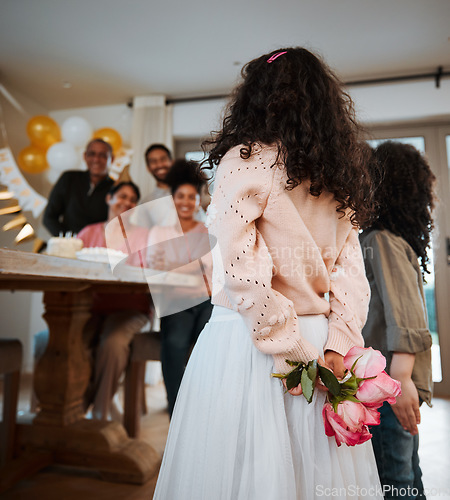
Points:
(60, 431)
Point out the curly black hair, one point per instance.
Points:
(405, 195)
(185, 172)
(298, 103)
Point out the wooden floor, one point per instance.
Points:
(64, 483)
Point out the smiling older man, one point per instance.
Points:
(78, 197)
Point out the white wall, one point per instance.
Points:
(411, 101)
(197, 119)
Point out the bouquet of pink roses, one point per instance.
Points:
(352, 402)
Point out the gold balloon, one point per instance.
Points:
(32, 160)
(43, 132)
(111, 136)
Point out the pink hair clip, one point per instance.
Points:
(278, 54)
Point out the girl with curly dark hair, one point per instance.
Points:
(298, 105)
(397, 324)
(292, 184)
(405, 196)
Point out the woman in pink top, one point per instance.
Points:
(291, 188)
(183, 248)
(116, 318)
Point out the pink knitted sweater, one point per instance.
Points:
(282, 253)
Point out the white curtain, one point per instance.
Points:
(152, 123)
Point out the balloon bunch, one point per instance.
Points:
(61, 149)
(43, 133)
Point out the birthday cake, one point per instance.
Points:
(64, 247)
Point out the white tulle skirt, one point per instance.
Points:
(235, 434)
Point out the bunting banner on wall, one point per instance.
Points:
(12, 178)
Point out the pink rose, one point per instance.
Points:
(370, 362)
(356, 415)
(374, 392)
(337, 427)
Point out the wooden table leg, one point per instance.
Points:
(61, 378)
(62, 374)
(95, 444)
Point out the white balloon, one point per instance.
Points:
(52, 175)
(63, 156)
(76, 130)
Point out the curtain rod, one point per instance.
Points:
(436, 76)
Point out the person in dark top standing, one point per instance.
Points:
(78, 197)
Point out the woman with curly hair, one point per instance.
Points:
(291, 187)
(183, 247)
(397, 323)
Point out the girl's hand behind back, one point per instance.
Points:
(335, 362)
